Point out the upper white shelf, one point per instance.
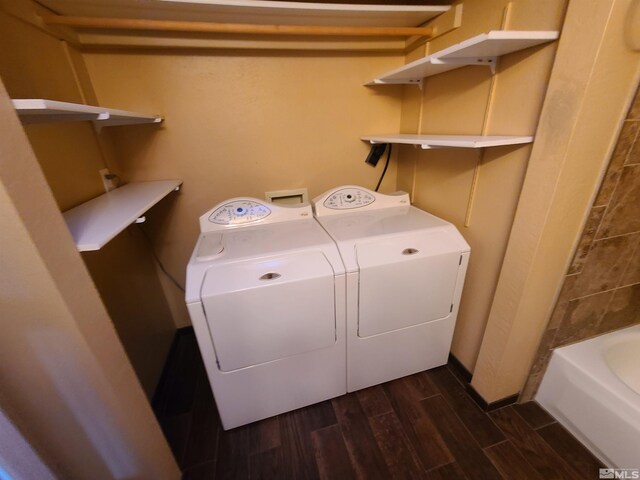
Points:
(253, 11)
(38, 110)
(483, 49)
(97, 221)
(456, 141)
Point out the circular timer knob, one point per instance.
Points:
(349, 198)
(241, 211)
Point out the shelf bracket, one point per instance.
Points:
(177, 189)
(141, 219)
(97, 122)
(401, 81)
(426, 146)
(487, 61)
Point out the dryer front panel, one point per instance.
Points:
(405, 281)
(263, 310)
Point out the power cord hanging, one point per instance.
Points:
(157, 259)
(386, 165)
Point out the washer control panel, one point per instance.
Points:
(348, 198)
(248, 211)
(239, 212)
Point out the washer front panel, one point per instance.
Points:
(239, 212)
(349, 198)
(261, 310)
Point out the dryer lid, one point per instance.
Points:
(405, 227)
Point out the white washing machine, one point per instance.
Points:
(266, 295)
(405, 272)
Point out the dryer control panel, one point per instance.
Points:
(350, 198)
(239, 212)
(247, 211)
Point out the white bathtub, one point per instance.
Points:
(593, 389)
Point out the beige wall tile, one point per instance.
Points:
(590, 229)
(530, 387)
(634, 154)
(623, 214)
(562, 303)
(544, 351)
(618, 158)
(582, 318)
(623, 311)
(605, 265)
(632, 275)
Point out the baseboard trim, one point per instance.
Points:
(464, 375)
(459, 369)
(488, 407)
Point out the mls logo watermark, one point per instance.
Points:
(620, 473)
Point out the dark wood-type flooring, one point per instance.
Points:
(422, 426)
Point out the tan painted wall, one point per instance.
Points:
(471, 101)
(35, 64)
(242, 123)
(590, 90)
(63, 373)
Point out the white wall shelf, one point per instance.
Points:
(96, 222)
(483, 49)
(254, 11)
(38, 110)
(454, 141)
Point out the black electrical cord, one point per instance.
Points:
(386, 165)
(157, 259)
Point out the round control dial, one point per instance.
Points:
(348, 198)
(240, 212)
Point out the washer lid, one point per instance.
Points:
(258, 242)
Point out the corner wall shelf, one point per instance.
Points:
(96, 222)
(456, 141)
(483, 49)
(38, 110)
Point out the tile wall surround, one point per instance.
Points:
(601, 291)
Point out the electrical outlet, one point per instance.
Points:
(108, 183)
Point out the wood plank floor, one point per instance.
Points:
(421, 426)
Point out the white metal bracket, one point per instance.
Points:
(141, 219)
(97, 122)
(401, 81)
(426, 146)
(488, 61)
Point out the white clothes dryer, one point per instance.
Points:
(266, 294)
(405, 273)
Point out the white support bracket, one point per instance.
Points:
(488, 61)
(403, 81)
(141, 219)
